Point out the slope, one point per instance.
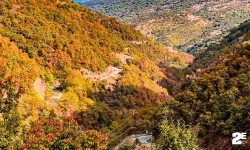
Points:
(73, 67)
(189, 26)
(214, 98)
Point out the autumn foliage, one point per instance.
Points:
(51, 132)
(214, 96)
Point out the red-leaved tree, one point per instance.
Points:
(52, 132)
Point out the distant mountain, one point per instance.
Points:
(189, 25)
(83, 1)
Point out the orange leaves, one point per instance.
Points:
(50, 132)
(46, 32)
(94, 139)
(17, 70)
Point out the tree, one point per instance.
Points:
(52, 132)
(176, 136)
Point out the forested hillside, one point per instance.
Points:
(188, 25)
(70, 76)
(213, 100)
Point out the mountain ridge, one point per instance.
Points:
(190, 26)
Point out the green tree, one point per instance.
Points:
(176, 136)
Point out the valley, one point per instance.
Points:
(174, 75)
(76, 74)
(189, 26)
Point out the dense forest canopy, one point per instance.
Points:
(60, 60)
(72, 78)
(214, 98)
